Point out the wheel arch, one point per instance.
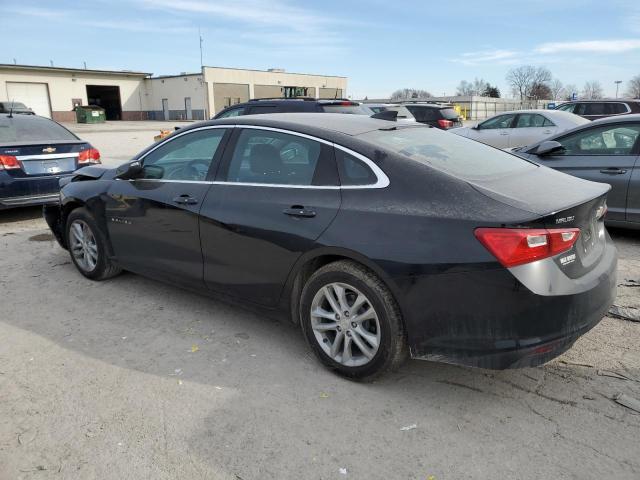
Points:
(309, 262)
(94, 206)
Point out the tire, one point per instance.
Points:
(90, 257)
(375, 324)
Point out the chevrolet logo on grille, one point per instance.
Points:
(49, 150)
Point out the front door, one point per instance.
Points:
(153, 220)
(187, 108)
(601, 153)
(275, 194)
(494, 131)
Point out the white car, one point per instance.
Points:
(522, 127)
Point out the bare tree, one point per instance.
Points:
(592, 90)
(477, 87)
(464, 89)
(410, 94)
(558, 92)
(633, 88)
(522, 79)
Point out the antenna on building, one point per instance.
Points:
(15, 62)
(85, 65)
(200, 36)
(51, 62)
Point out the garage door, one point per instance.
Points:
(33, 95)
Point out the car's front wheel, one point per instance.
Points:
(87, 246)
(351, 321)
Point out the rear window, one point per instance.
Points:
(29, 128)
(450, 153)
(449, 113)
(353, 109)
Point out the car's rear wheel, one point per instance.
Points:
(351, 321)
(87, 246)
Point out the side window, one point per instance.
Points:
(353, 171)
(607, 140)
(547, 122)
(617, 108)
(234, 112)
(526, 120)
(567, 107)
(263, 156)
(187, 157)
(595, 108)
(580, 108)
(501, 121)
(256, 110)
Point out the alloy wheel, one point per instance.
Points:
(83, 245)
(345, 324)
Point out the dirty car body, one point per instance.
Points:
(493, 261)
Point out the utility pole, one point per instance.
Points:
(200, 35)
(617, 82)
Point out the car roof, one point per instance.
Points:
(602, 100)
(428, 105)
(634, 117)
(330, 122)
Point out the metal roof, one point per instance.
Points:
(11, 66)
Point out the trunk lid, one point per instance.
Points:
(560, 201)
(44, 159)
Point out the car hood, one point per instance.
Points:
(462, 131)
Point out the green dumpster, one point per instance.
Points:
(90, 114)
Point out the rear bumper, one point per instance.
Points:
(489, 319)
(26, 191)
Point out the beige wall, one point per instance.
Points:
(266, 84)
(63, 86)
(331, 93)
(174, 89)
(222, 91)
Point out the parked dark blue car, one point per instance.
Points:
(35, 153)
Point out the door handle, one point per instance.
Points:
(613, 171)
(299, 211)
(185, 200)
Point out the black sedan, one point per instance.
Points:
(607, 151)
(35, 153)
(380, 239)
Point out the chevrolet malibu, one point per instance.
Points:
(379, 239)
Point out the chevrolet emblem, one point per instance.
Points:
(49, 150)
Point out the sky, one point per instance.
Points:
(380, 45)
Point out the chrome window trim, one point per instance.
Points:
(47, 156)
(382, 179)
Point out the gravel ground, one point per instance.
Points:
(130, 378)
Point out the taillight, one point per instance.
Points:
(516, 246)
(347, 104)
(90, 155)
(9, 162)
(445, 123)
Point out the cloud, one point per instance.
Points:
(590, 46)
(498, 56)
(278, 25)
(113, 24)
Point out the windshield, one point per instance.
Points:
(29, 128)
(453, 154)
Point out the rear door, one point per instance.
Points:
(153, 220)
(529, 128)
(601, 153)
(276, 192)
(495, 131)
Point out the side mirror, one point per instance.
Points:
(476, 126)
(129, 170)
(549, 147)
